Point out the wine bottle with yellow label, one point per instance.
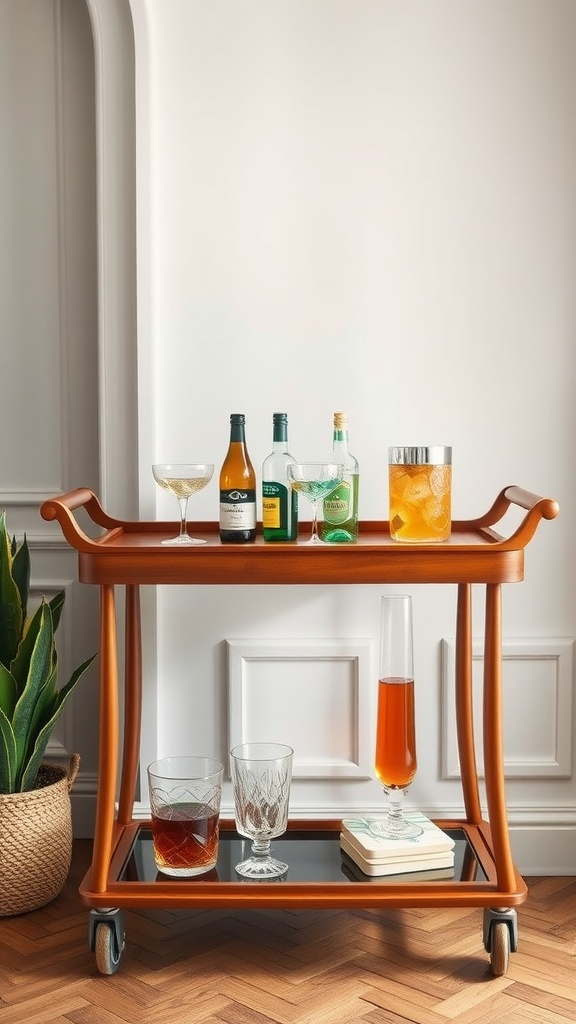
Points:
(279, 501)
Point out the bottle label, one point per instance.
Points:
(238, 509)
(338, 505)
(274, 500)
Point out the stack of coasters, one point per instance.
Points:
(375, 855)
(355, 874)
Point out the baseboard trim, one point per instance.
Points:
(544, 851)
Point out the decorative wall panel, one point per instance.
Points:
(537, 707)
(312, 694)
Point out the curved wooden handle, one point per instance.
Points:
(62, 507)
(547, 507)
(73, 500)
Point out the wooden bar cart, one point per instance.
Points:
(122, 873)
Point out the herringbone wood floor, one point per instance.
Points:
(327, 967)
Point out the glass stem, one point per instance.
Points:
(395, 801)
(183, 503)
(314, 521)
(261, 847)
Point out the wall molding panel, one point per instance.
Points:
(270, 681)
(537, 677)
(28, 497)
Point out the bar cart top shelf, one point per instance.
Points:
(133, 553)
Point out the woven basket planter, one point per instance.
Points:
(36, 840)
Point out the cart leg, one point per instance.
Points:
(108, 742)
(493, 751)
(133, 705)
(107, 938)
(464, 705)
(500, 936)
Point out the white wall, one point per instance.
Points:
(367, 206)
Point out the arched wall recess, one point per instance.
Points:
(116, 189)
(124, 347)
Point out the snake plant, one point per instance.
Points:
(30, 701)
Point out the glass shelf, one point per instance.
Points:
(312, 856)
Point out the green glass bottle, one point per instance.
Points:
(279, 501)
(340, 523)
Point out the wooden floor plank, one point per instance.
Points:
(39, 1011)
(530, 995)
(290, 967)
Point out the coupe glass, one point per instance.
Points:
(395, 729)
(315, 480)
(261, 774)
(182, 480)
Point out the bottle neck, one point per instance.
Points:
(280, 435)
(340, 438)
(237, 433)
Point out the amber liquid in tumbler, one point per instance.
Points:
(185, 836)
(395, 732)
(420, 503)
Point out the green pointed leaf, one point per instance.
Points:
(8, 692)
(27, 777)
(7, 755)
(45, 706)
(39, 738)
(21, 664)
(11, 618)
(66, 690)
(39, 671)
(21, 574)
(56, 606)
(30, 772)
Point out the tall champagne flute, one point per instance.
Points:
(315, 480)
(182, 480)
(395, 761)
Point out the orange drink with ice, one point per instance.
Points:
(420, 488)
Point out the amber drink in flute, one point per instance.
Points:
(395, 761)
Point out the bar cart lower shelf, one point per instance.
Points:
(131, 554)
(320, 875)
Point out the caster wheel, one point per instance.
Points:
(106, 949)
(499, 948)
